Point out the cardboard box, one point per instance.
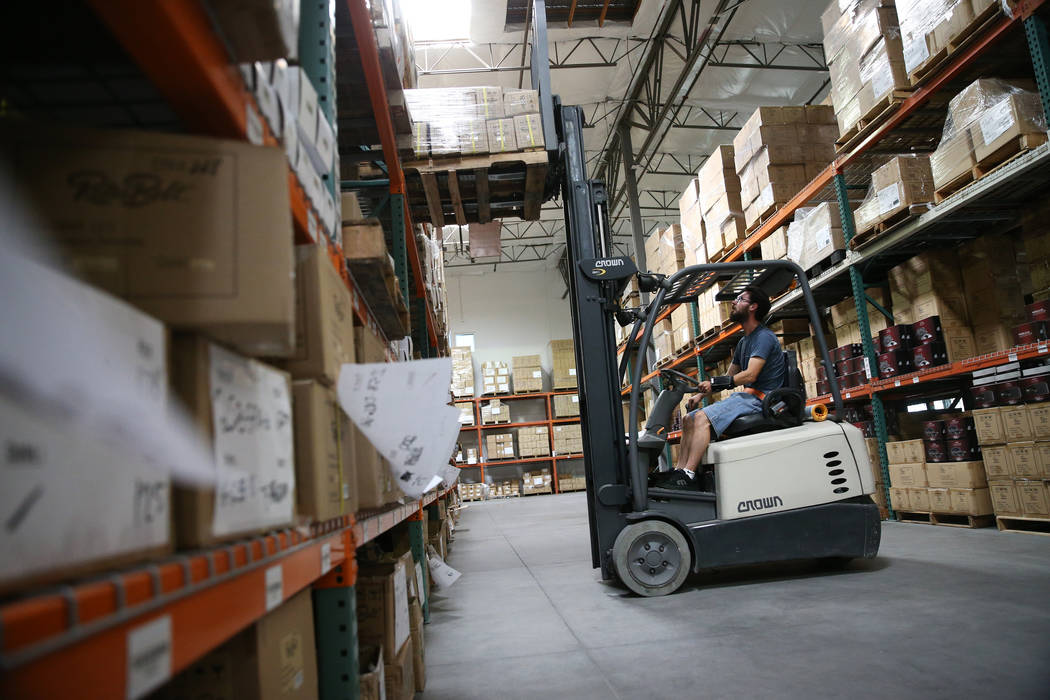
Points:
(899, 498)
(382, 605)
(274, 659)
(905, 452)
(1042, 456)
(372, 676)
(1033, 497)
(419, 673)
(953, 157)
(528, 131)
(368, 348)
(563, 364)
(940, 500)
(989, 426)
(375, 484)
(1017, 423)
(957, 474)
(325, 478)
(517, 102)
(259, 31)
(501, 136)
(1004, 121)
(1024, 460)
(997, 463)
(1039, 417)
(970, 501)
(1005, 499)
(242, 409)
(196, 232)
(566, 406)
(324, 327)
(920, 499)
(399, 671)
(992, 338)
(903, 475)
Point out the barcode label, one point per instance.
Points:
(326, 558)
(1012, 357)
(149, 656)
(274, 587)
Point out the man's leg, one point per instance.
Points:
(696, 436)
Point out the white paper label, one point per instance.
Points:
(575, 399)
(823, 238)
(274, 587)
(537, 374)
(915, 52)
(149, 656)
(472, 460)
(1012, 357)
(251, 421)
(914, 380)
(572, 371)
(847, 394)
(995, 121)
(508, 450)
(253, 126)
(443, 574)
(1041, 348)
(896, 382)
(867, 368)
(889, 198)
(420, 584)
(326, 558)
(537, 481)
(881, 82)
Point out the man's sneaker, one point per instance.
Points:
(675, 479)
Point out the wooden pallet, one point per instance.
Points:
(477, 189)
(822, 266)
(763, 217)
(499, 422)
(1008, 153)
(1017, 523)
(875, 116)
(373, 273)
(946, 519)
(885, 226)
(933, 65)
(529, 391)
(906, 516)
(683, 350)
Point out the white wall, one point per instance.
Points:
(510, 313)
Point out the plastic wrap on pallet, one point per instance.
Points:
(462, 372)
(904, 181)
(473, 121)
(984, 122)
(796, 236)
(855, 29)
(928, 26)
(665, 251)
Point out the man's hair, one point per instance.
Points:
(757, 296)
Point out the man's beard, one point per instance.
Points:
(739, 316)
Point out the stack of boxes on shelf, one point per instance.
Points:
(468, 455)
(1035, 227)
(504, 489)
(995, 277)
(500, 446)
(571, 482)
(471, 492)
(778, 151)
(904, 182)
(462, 373)
(1014, 434)
(384, 619)
(720, 204)
(534, 441)
(568, 440)
(528, 373)
(495, 412)
(495, 378)
(988, 122)
(927, 294)
(954, 484)
(862, 44)
(449, 122)
(466, 412)
(536, 482)
(929, 27)
(665, 251)
(691, 219)
(566, 405)
(681, 327)
(814, 236)
(563, 365)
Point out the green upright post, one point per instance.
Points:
(335, 629)
(1039, 48)
(871, 358)
(317, 59)
(397, 241)
(417, 539)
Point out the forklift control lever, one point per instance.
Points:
(680, 381)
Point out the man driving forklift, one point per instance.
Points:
(758, 365)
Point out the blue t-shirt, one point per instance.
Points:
(763, 343)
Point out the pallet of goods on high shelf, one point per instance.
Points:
(989, 123)
(466, 412)
(568, 440)
(719, 202)
(566, 405)
(471, 492)
(536, 482)
(900, 190)
(495, 412)
(569, 482)
(682, 336)
(865, 58)
(692, 223)
(777, 152)
(373, 272)
(495, 378)
(563, 365)
(475, 154)
(814, 238)
(500, 446)
(534, 441)
(527, 372)
(462, 373)
(664, 251)
(932, 31)
(467, 456)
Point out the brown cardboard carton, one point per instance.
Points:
(196, 232)
(1039, 416)
(325, 478)
(1033, 498)
(563, 364)
(1007, 119)
(957, 474)
(274, 659)
(400, 683)
(903, 475)
(919, 499)
(213, 385)
(989, 426)
(953, 23)
(501, 136)
(905, 452)
(949, 305)
(517, 102)
(372, 678)
(970, 501)
(566, 406)
(324, 324)
(528, 131)
(899, 498)
(1017, 423)
(992, 338)
(953, 157)
(940, 500)
(368, 348)
(1024, 460)
(1005, 500)
(960, 343)
(382, 605)
(1042, 456)
(419, 673)
(997, 462)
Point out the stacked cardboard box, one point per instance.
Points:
(375, 482)
(569, 482)
(504, 489)
(1035, 228)
(775, 246)
(778, 151)
(631, 293)
(711, 312)
(325, 467)
(449, 122)
(943, 487)
(568, 439)
(563, 365)
(467, 456)
(566, 406)
(663, 340)
(665, 251)
(500, 446)
(383, 618)
(534, 441)
(528, 373)
(984, 127)
(929, 26)
(720, 201)
(466, 412)
(993, 282)
(462, 373)
(1015, 441)
(931, 285)
(692, 222)
(844, 321)
(815, 235)
(495, 378)
(494, 412)
(536, 482)
(681, 327)
(865, 58)
(902, 182)
(470, 492)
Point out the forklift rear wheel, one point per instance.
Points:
(652, 558)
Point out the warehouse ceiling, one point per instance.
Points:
(695, 71)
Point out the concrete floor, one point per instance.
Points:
(942, 613)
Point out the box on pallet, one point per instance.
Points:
(905, 452)
(566, 406)
(500, 446)
(462, 372)
(216, 386)
(815, 234)
(1033, 498)
(528, 373)
(466, 412)
(719, 199)
(325, 477)
(568, 439)
(382, 603)
(534, 441)
(692, 223)
(207, 247)
(495, 411)
(904, 181)
(495, 378)
(536, 481)
(665, 251)
(563, 365)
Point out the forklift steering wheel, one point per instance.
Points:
(680, 380)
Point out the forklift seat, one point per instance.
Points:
(793, 393)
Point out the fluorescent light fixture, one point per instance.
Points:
(438, 20)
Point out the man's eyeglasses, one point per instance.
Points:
(742, 298)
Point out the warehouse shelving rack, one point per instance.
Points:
(852, 169)
(109, 635)
(478, 429)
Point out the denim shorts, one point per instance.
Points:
(722, 413)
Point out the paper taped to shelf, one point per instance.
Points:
(443, 574)
(401, 407)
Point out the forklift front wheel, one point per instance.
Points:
(652, 558)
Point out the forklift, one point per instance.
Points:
(784, 484)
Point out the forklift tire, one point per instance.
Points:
(652, 558)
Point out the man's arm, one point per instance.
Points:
(749, 375)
